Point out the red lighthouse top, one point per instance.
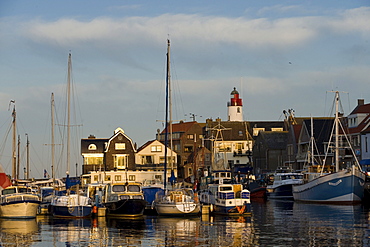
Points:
(235, 100)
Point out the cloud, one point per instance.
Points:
(191, 29)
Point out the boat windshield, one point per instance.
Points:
(134, 188)
(119, 188)
(8, 191)
(226, 188)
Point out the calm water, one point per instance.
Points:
(273, 223)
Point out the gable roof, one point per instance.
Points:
(180, 127)
(361, 109)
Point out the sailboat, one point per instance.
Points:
(17, 201)
(70, 205)
(175, 201)
(328, 184)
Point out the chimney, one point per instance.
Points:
(360, 102)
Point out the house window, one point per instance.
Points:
(156, 148)
(117, 178)
(366, 144)
(107, 178)
(238, 109)
(158, 177)
(240, 133)
(239, 146)
(190, 137)
(120, 146)
(93, 160)
(132, 178)
(96, 178)
(190, 171)
(147, 159)
(188, 149)
(92, 147)
(121, 161)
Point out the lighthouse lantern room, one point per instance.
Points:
(235, 107)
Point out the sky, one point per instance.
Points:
(278, 54)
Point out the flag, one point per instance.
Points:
(4, 179)
(46, 174)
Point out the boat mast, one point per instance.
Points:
(312, 142)
(14, 154)
(28, 158)
(69, 111)
(336, 131)
(166, 115)
(52, 137)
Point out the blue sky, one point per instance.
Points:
(279, 55)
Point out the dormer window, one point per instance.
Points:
(120, 146)
(92, 147)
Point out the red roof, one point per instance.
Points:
(181, 127)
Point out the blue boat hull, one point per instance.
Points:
(340, 187)
(71, 211)
(129, 207)
(282, 192)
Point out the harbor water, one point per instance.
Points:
(272, 223)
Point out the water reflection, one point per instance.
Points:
(305, 224)
(18, 232)
(272, 223)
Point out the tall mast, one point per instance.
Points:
(52, 137)
(14, 152)
(312, 142)
(69, 111)
(28, 158)
(170, 102)
(166, 114)
(336, 131)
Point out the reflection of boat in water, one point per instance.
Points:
(19, 227)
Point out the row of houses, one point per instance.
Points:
(243, 146)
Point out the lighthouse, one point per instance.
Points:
(235, 107)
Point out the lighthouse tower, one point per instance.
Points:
(235, 107)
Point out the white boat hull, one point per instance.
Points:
(19, 210)
(177, 208)
(346, 186)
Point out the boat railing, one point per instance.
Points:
(13, 198)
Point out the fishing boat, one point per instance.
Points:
(219, 190)
(224, 196)
(173, 201)
(124, 199)
(75, 205)
(281, 183)
(17, 201)
(331, 184)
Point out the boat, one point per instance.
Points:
(280, 185)
(327, 183)
(224, 196)
(173, 201)
(150, 189)
(256, 187)
(220, 191)
(124, 199)
(75, 205)
(17, 201)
